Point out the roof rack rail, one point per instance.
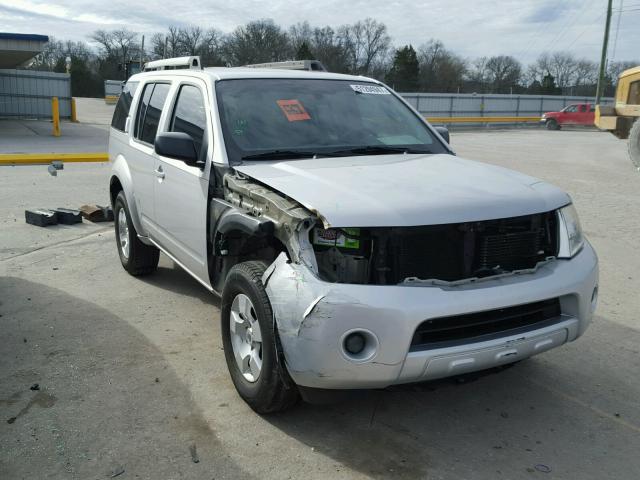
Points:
(174, 64)
(311, 65)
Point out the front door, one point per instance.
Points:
(181, 191)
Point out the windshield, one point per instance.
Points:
(295, 118)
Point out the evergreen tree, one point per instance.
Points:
(405, 70)
(549, 85)
(304, 52)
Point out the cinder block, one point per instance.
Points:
(68, 216)
(41, 217)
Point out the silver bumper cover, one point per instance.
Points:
(313, 316)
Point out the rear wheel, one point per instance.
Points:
(552, 124)
(634, 143)
(249, 341)
(136, 257)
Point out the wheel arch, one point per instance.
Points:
(236, 237)
(121, 181)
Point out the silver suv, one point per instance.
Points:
(351, 247)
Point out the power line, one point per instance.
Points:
(538, 33)
(564, 31)
(600, 15)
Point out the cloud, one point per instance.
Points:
(549, 12)
(471, 28)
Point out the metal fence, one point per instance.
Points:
(28, 93)
(112, 90)
(490, 105)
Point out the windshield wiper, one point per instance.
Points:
(378, 150)
(281, 154)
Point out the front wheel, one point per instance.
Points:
(552, 125)
(249, 341)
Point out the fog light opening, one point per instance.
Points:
(359, 345)
(354, 343)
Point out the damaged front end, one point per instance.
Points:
(345, 315)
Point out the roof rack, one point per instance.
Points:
(174, 64)
(311, 65)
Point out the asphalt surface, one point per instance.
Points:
(132, 379)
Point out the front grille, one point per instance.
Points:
(476, 249)
(508, 250)
(446, 252)
(479, 326)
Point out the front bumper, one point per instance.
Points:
(313, 316)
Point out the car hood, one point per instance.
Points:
(405, 190)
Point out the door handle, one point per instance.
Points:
(159, 172)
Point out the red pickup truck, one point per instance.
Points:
(574, 114)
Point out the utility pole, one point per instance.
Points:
(603, 59)
(141, 53)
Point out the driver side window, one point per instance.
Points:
(189, 117)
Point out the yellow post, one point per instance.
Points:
(55, 114)
(74, 115)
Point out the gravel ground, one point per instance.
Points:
(132, 380)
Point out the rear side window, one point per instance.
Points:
(149, 112)
(189, 116)
(583, 108)
(124, 104)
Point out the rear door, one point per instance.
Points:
(586, 115)
(143, 158)
(181, 192)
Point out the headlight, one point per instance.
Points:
(544, 115)
(571, 238)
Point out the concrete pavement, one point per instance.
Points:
(131, 371)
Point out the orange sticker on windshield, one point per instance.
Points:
(293, 110)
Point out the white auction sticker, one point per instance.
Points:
(370, 89)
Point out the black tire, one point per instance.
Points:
(634, 143)
(142, 259)
(552, 124)
(273, 390)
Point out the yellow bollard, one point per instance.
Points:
(74, 115)
(55, 114)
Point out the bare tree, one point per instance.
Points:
(117, 43)
(300, 33)
(478, 73)
(210, 48)
(190, 40)
(366, 42)
(586, 73)
(328, 47)
(614, 69)
(256, 42)
(503, 73)
(440, 69)
(158, 46)
(561, 65)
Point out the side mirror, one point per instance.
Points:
(178, 145)
(444, 133)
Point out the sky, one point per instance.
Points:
(471, 28)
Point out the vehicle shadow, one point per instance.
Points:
(173, 278)
(84, 394)
(555, 412)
